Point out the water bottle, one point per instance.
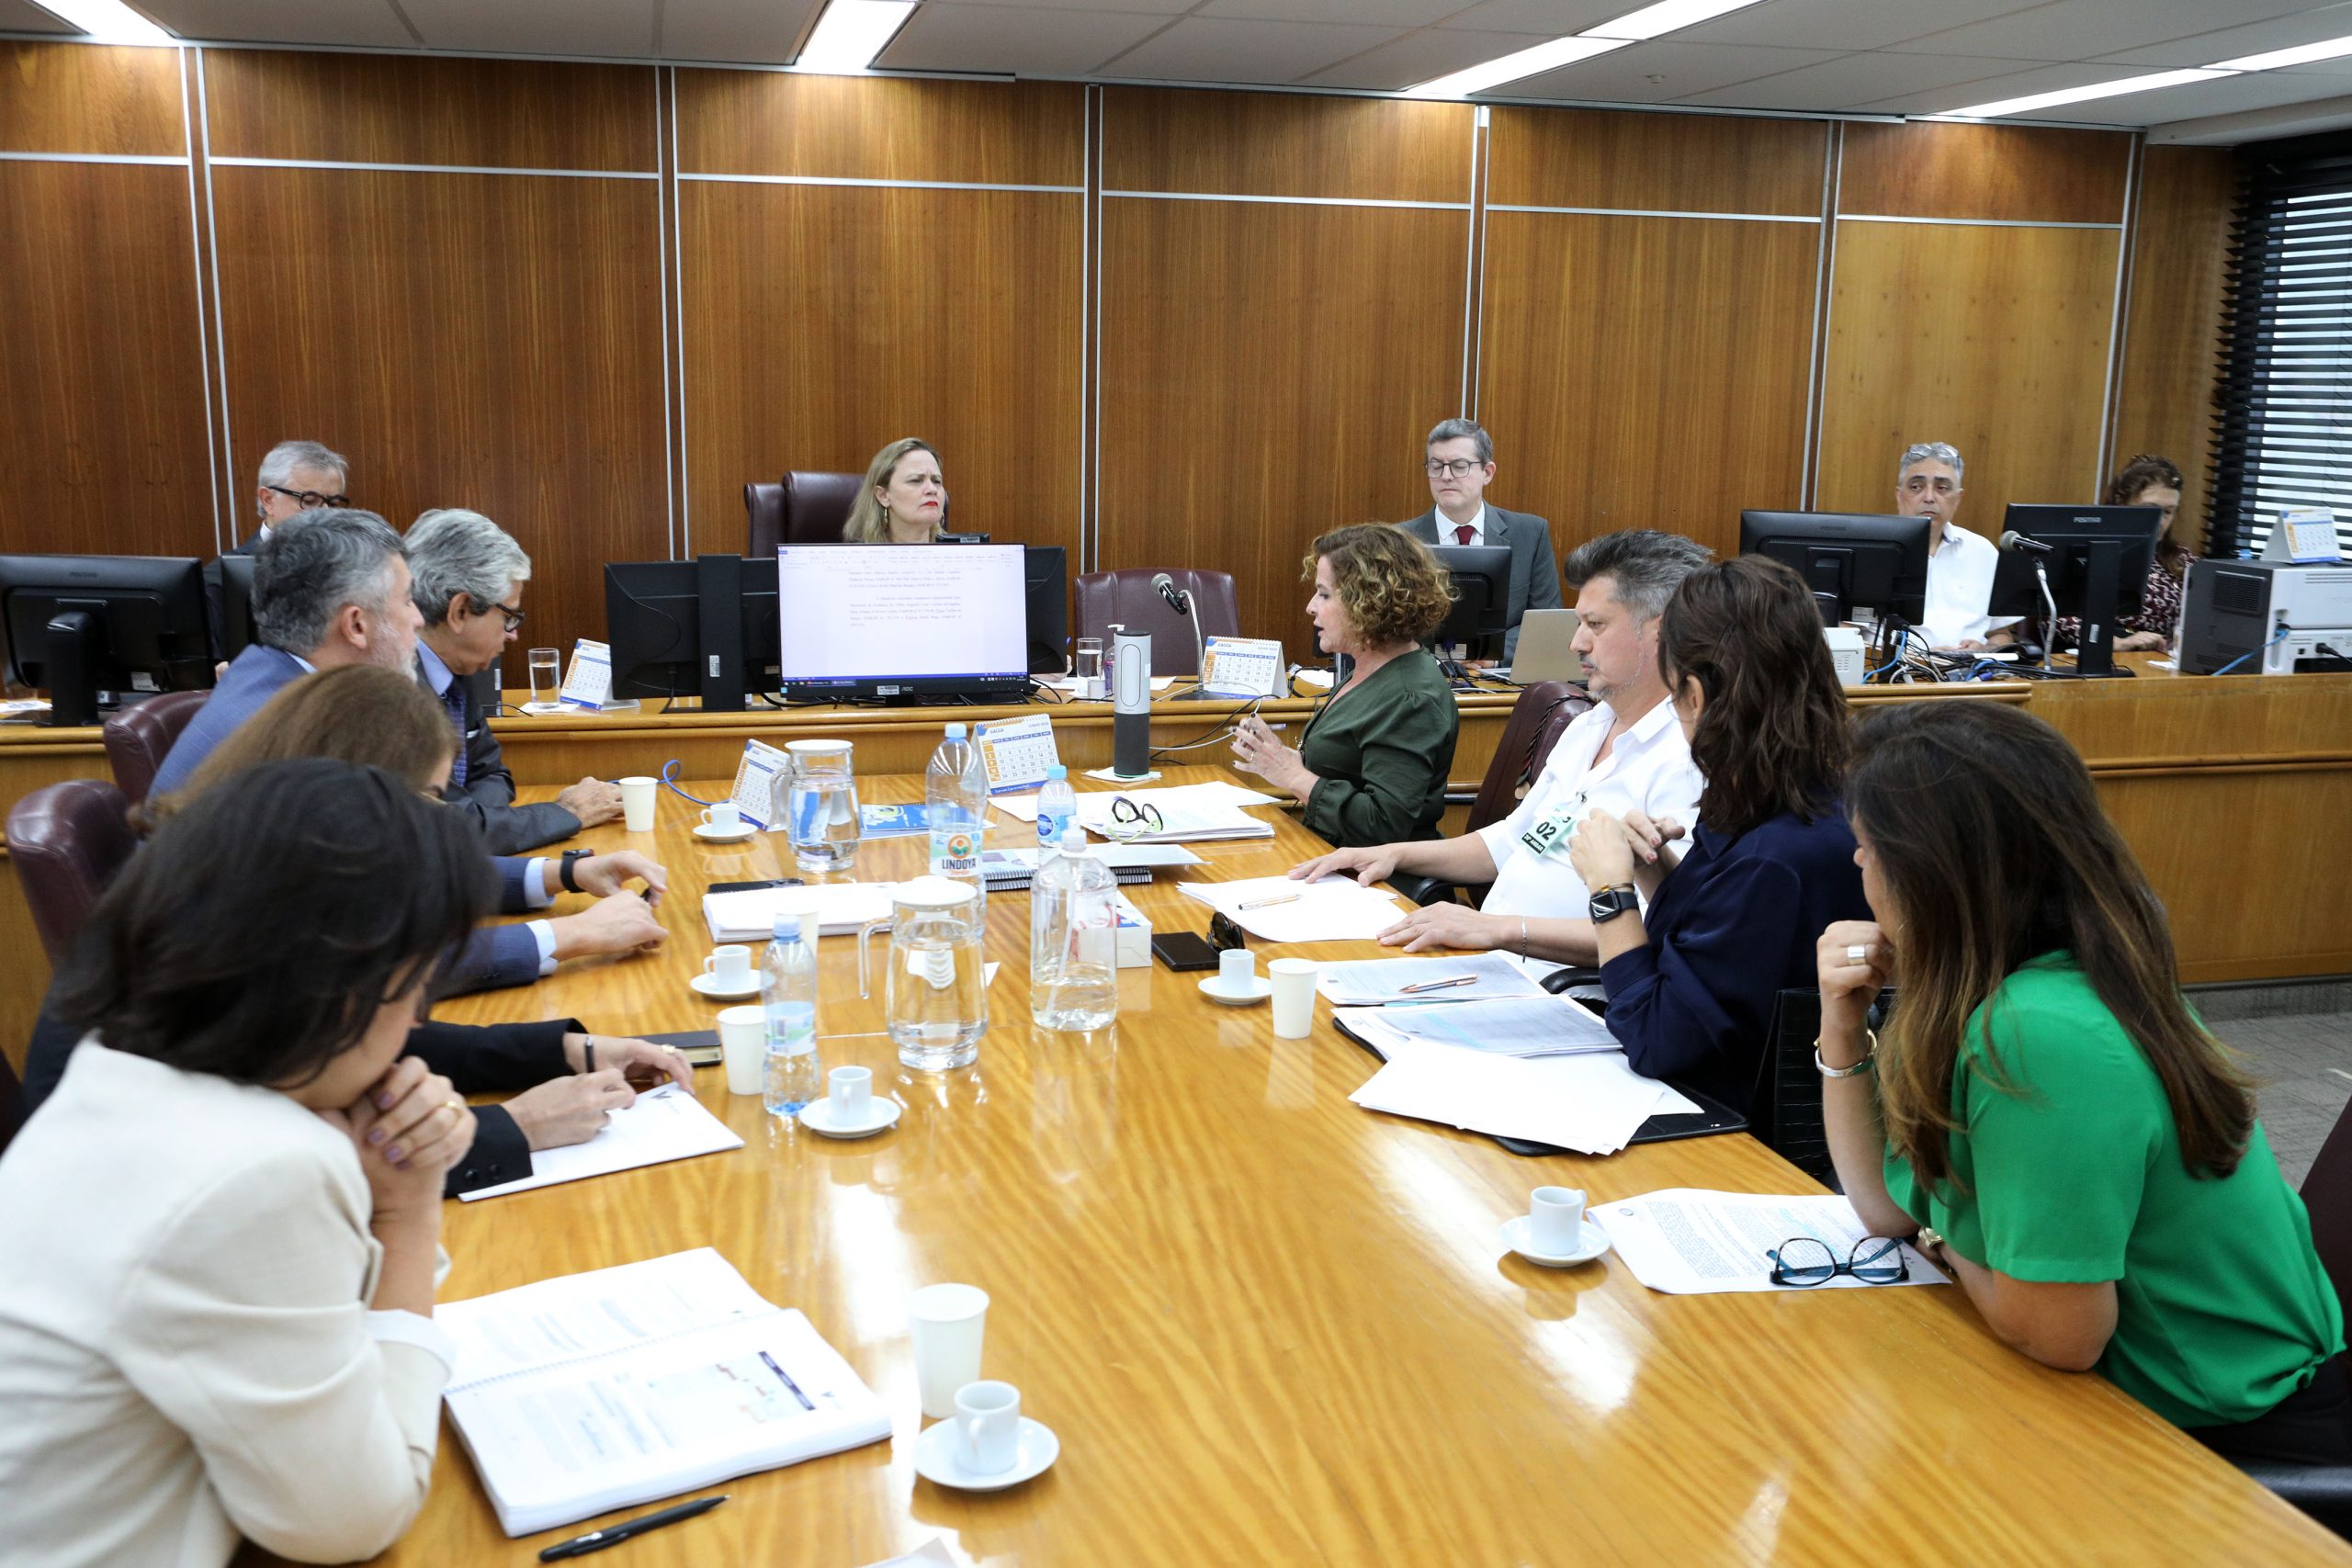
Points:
(1073, 939)
(955, 792)
(1056, 809)
(788, 994)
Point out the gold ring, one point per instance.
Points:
(454, 1107)
(672, 1050)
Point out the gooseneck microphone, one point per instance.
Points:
(1178, 600)
(2020, 544)
(2039, 553)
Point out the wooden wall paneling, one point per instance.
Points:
(2007, 172)
(1276, 144)
(1268, 373)
(489, 341)
(90, 98)
(441, 109)
(1648, 372)
(1672, 163)
(2180, 274)
(1994, 339)
(880, 127)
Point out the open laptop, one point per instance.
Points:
(1546, 648)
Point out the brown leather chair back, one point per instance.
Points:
(141, 736)
(68, 840)
(1544, 709)
(12, 1103)
(815, 507)
(1126, 598)
(2327, 1195)
(764, 506)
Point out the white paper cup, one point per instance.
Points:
(723, 816)
(743, 1045)
(1555, 1221)
(1237, 970)
(729, 968)
(850, 1092)
(636, 802)
(988, 1428)
(1294, 981)
(946, 1321)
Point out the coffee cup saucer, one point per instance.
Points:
(717, 990)
(1259, 989)
(936, 1459)
(1590, 1244)
(710, 834)
(880, 1114)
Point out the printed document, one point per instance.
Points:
(664, 1124)
(1378, 982)
(1332, 910)
(1540, 1025)
(1593, 1102)
(1685, 1241)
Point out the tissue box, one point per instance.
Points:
(1135, 936)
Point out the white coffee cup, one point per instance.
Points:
(723, 816)
(1237, 970)
(1555, 1221)
(850, 1094)
(729, 968)
(743, 1045)
(636, 802)
(988, 1428)
(946, 1322)
(1294, 981)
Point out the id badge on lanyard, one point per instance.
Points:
(1553, 830)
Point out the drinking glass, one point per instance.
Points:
(1086, 664)
(547, 676)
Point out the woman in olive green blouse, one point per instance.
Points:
(1372, 766)
(2044, 1098)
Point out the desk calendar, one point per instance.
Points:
(1017, 753)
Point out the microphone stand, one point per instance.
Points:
(1180, 601)
(2049, 603)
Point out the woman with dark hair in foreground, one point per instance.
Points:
(222, 1230)
(2044, 1112)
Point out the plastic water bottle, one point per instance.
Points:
(955, 792)
(1073, 939)
(1056, 809)
(788, 993)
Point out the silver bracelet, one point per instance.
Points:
(1867, 1062)
(1523, 953)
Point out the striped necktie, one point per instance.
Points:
(454, 700)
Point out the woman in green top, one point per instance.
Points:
(2044, 1098)
(1372, 766)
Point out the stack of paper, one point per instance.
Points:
(1508, 1026)
(665, 1123)
(1278, 909)
(1593, 1103)
(1690, 1241)
(841, 907)
(1010, 870)
(1378, 982)
(1188, 813)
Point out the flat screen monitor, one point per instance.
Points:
(1046, 578)
(2097, 563)
(1481, 613)
(92, 628)
(235, 631)
(902, 622)
(655, 624)
(1857, 565)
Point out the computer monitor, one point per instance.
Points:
(1044, 572)
(92, 628)
(660, 616)
(902, 622)
(1481, 613)
(235, 632)
(1858, 565)
(2097, 563)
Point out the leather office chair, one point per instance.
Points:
(68, 840)
(140, 736)
(763, 507)
(1126, 598)
(1544, 709)
(817, 506)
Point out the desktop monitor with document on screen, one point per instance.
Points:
(901, 623)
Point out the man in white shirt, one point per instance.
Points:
(1626, 756)
(1959, 566)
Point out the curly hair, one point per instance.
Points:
(1388, 582)
(2148, 471)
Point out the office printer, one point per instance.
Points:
(2232, 611)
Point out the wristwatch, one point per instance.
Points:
(571, 881)
(1612, 902)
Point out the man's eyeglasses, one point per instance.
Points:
(1807, 1260)
(310, 499)
(1129, 821)
(514, 617)
(1441, 469)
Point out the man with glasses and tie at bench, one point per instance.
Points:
(1461, 463)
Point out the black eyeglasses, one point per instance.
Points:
(1804, 1260)
(1128, 819)
(1441, 469)
(1223, 935)
(310, 499)
(514, 617)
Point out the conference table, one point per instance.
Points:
(1268, 1326)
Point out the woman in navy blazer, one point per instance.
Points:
(1691, 980)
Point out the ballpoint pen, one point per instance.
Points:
(613, 1535)
(1269, 903)
(1445, 985)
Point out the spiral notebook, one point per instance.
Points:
(594, 1392)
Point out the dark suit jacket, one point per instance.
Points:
(487, 798)
(212, 610)
(1534, 574)
(492, 1059)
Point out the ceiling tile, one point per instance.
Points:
(2077, 29)
(1418, 57)
(1376, 13)
(1139, 7)
(1662, 69)
(536, 26)
(2260, 37)
(1552, 18)
(2197, 100)
(1844, 23)
(754, 32)
(369, 24)
(2015, 84)
(1849, 81)
(23, 16)
(1020, 40)
(1216, 49)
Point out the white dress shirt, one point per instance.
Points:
(1449, 532)
(1648, 769)
(1960, 586)
(187, 1351)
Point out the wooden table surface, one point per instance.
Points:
(1270, 1328)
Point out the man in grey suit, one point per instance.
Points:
(1461, 462)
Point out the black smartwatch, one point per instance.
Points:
(571, 881)
(1612, 902)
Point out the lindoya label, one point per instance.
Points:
(954, 851)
